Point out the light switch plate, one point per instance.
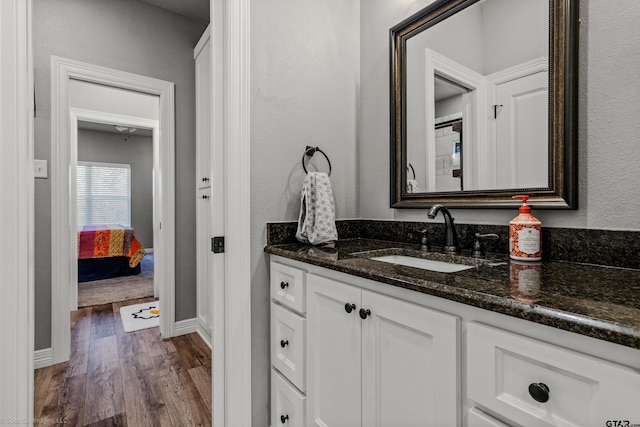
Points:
(40, 169)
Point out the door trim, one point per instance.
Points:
(16, 211)
(63, 231)
(231, 304)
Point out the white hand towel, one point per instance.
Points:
(412, 186)
(317, 223)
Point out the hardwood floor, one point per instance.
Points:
(115, 378)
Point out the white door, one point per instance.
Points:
(209, 187)
(522, 132)
(409, 365)
(202, 53)
(203, 266)
(333, 353)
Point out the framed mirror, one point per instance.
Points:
(484, 104)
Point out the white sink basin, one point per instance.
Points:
(426, 264)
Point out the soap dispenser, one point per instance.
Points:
(525, 234)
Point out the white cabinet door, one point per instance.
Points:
(334, 354)
(410, 372)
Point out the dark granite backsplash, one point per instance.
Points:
(589, 246)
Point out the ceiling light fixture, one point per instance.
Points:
(125, 129)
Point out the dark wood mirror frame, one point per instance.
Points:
(563, 120)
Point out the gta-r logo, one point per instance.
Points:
(617, 423)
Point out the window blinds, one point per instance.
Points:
(103, 194)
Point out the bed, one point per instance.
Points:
(106, 251)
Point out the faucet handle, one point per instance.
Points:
(478, 249)
(424, 239)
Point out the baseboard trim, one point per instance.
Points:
(183, 327)
(188, 326)
(42, 358)
(206, 337)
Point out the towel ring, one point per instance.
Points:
(309, 152)
(412, 170)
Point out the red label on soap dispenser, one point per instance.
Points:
(525, 241)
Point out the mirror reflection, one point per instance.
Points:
(486, 67)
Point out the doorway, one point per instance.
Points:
(233, 387)
(67, 75)
(114, 200)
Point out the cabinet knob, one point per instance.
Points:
(284, 343)
(539, 392)
(284, 285)
(349, 307)
(364, 313)
(204, 196)
(205, 179)
(284, 418)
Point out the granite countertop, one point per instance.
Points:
(596, 301)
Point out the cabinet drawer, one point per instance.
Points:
(477, 418)
(287, 403)
(537, 384)
(288, 344)
(288, 287)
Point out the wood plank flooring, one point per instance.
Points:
(115, 378)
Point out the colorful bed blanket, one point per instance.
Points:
(109, 240)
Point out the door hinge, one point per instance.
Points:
(217, 245)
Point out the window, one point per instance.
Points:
(104, 194)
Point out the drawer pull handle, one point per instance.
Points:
(539, 392)
(284, 343)
(205, 179)
(284, 285)
(349, 307)
(364, 313)
(284, 418)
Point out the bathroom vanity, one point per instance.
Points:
(357, 341)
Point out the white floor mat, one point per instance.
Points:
(140, 316)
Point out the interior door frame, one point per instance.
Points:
(80, 114)
(64, 231)
(16, 211)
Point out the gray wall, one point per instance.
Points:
(304, 91)
(136, 151)
(130, 36)
(608, 126)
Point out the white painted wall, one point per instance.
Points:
(608, 127)
(515, 31)
(305, 91)
(136, 151)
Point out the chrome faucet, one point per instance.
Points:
(450, 235)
